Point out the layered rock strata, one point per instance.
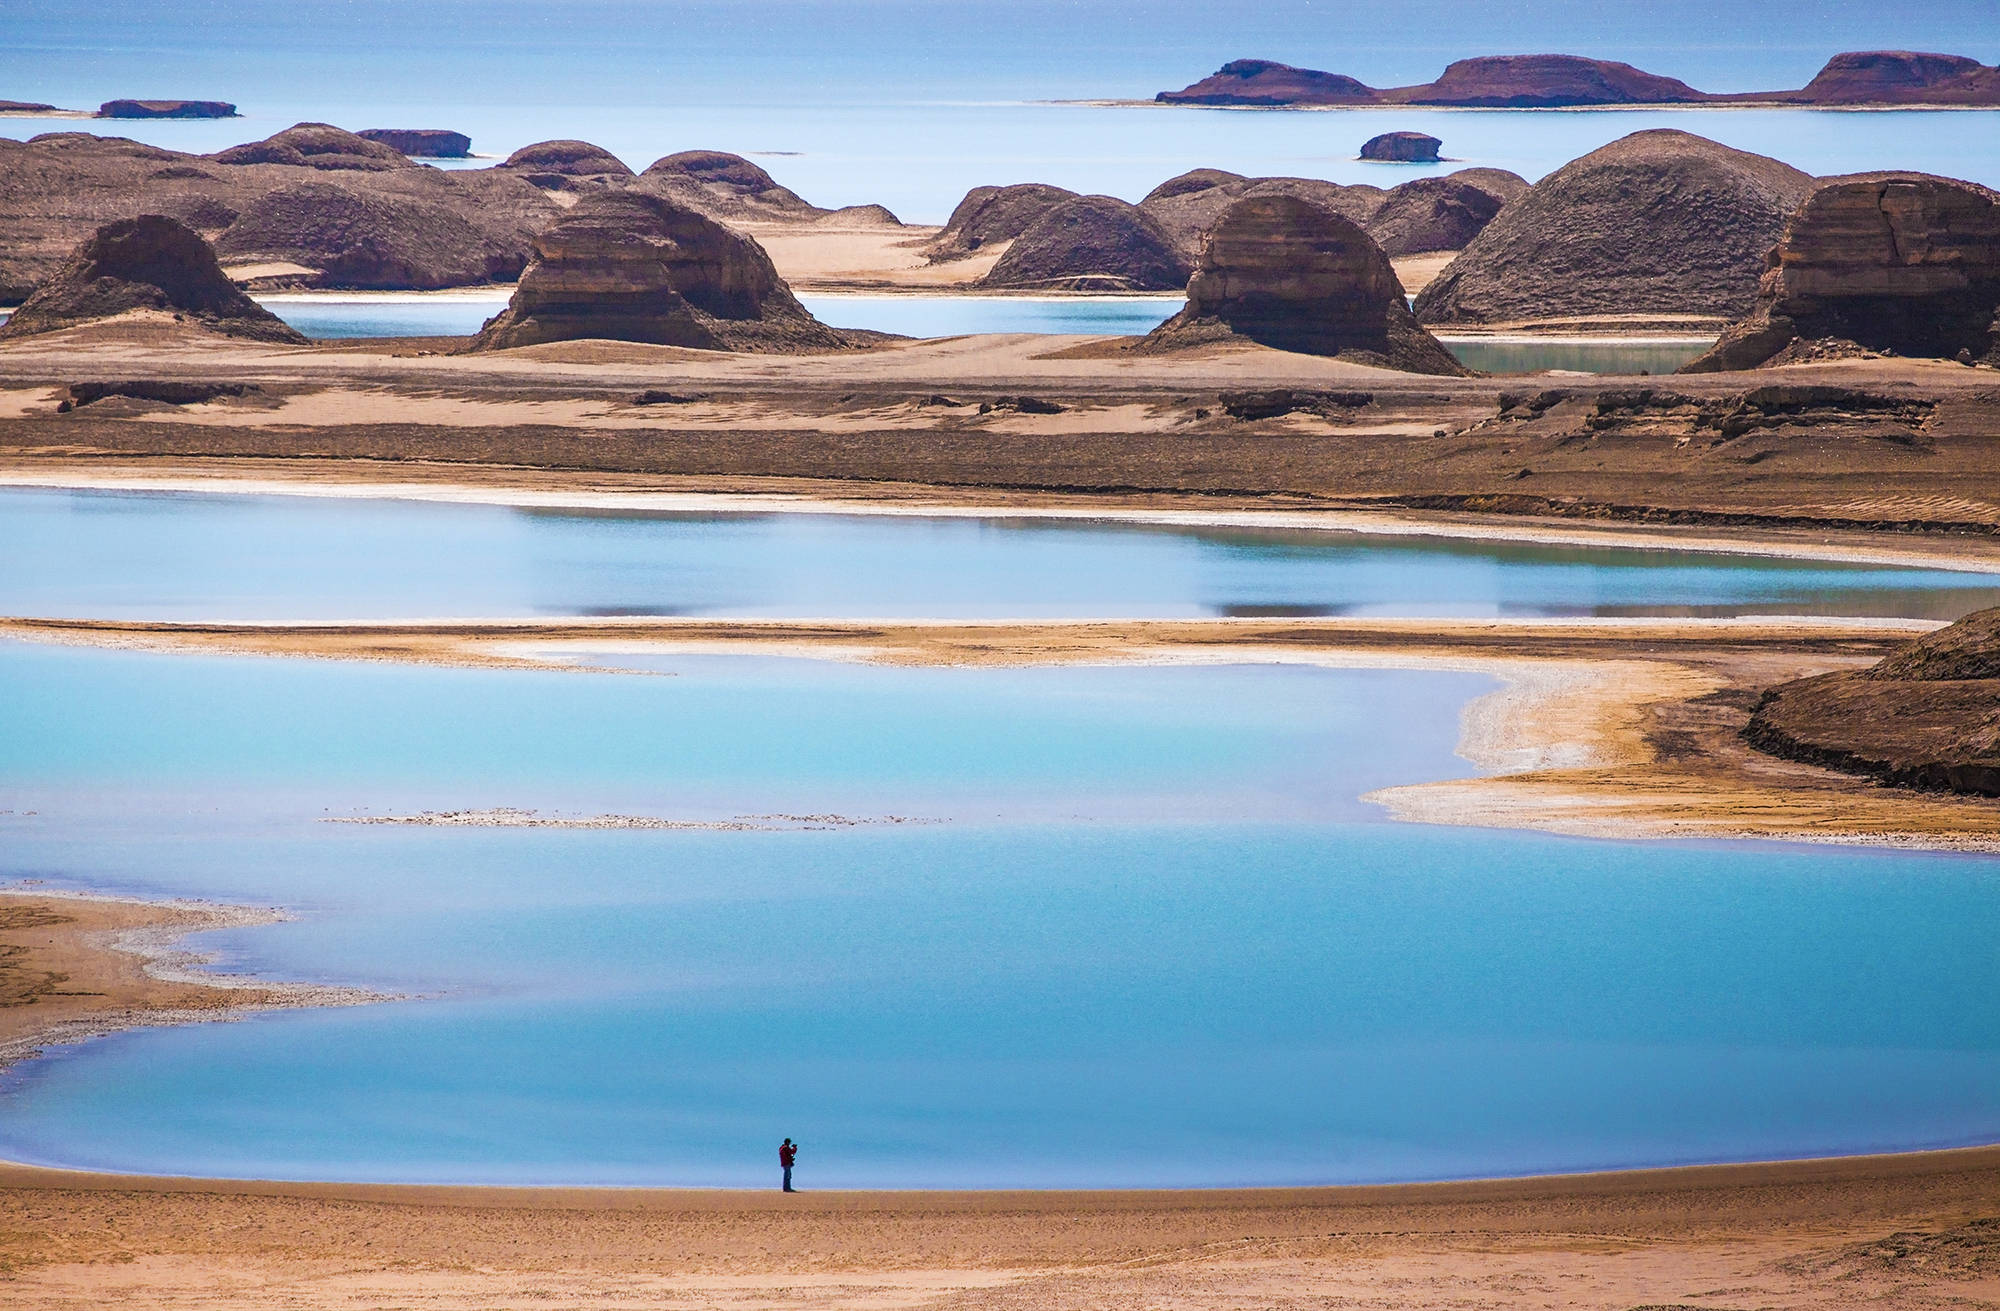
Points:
(1902, 263)
(1286, 273)
(148, 263)
(630, 266)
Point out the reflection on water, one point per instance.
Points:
(1155, 941)
(1577, 355)
(180, 556)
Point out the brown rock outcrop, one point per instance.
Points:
(1189, 205)
(26, 107)
(1660, 222)
(1402, 148)
(1547, 82)
(421, 142)
(1927, 717)
(725, 186)
(1265, 82)
(1893, 77)
(1899, 262)
(366, 241)
(631, 266)
(1092, 243)
(317, 145)
(994, 214)
(1444, 213)
(145, 263)
(1286, 273)
(567, 166)
(166, 109)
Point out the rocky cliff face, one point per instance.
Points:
(1928, 717)
(1402, 148)
(630, 266)
(1899, 262)
(421, 142)
(1446, 213)
(1289, 274)
(989, 215)
(1660, 222)
(145, 263)
(1092, 243)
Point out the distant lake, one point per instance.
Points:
(1147, 937)
(145, 555)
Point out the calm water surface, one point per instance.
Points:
(183, 556)
(1155, 940)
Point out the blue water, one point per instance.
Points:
(1154, 941)
(909, 103)
(182, 556)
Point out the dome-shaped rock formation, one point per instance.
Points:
(1189, 205)
(1927, 717)
(725, 186)
(1660, 222)
(421, 142)
(631, 266)
(317, 145)
(1402, 148)
(145, 263)
(1092, 243)
(567, 165)
(1439, 213)
(366, 241)
(1265, 82)
(1287, 273)
(994, 214)
(1901, 262)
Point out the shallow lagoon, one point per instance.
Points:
(1154, 940)
(216, 557)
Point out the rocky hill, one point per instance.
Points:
(1286, 273)
(1853, 79)
(632, 266)
(1928, 717)
(148, 263)
(1660, 222)
(1904, 263)
(1092, 243)
(990, 215)
(1428, 214)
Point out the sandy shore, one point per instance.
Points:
(1892, 1232)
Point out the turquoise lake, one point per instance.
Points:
(146, 555)
(1145, 935)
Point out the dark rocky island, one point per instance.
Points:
(1928, 717)
(1286, 273)
(167, 109)
(1854, 79)
(1896, 263)
(1402, 148)
(1661, 222)
(27, 107)
(421, 142)
(628, 266)
(148, 263)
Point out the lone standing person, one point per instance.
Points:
(788, 1152)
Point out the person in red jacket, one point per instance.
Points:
(787, 1153)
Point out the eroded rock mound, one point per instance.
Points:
(1189, 205)
(317, 145)
(366, 241)
(166, 109)
(145, 263)
(1263, 82)
(632, 266)
(1887, 77)
(1402, 148)
(1928, 717)
(421, 142)
(1438, 213)
(1288, 274)
(567, 165)
(1660, 222)
(725, 186)
(994, 214)
(1549, 82)
(1894, 262)
(1092, 243)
